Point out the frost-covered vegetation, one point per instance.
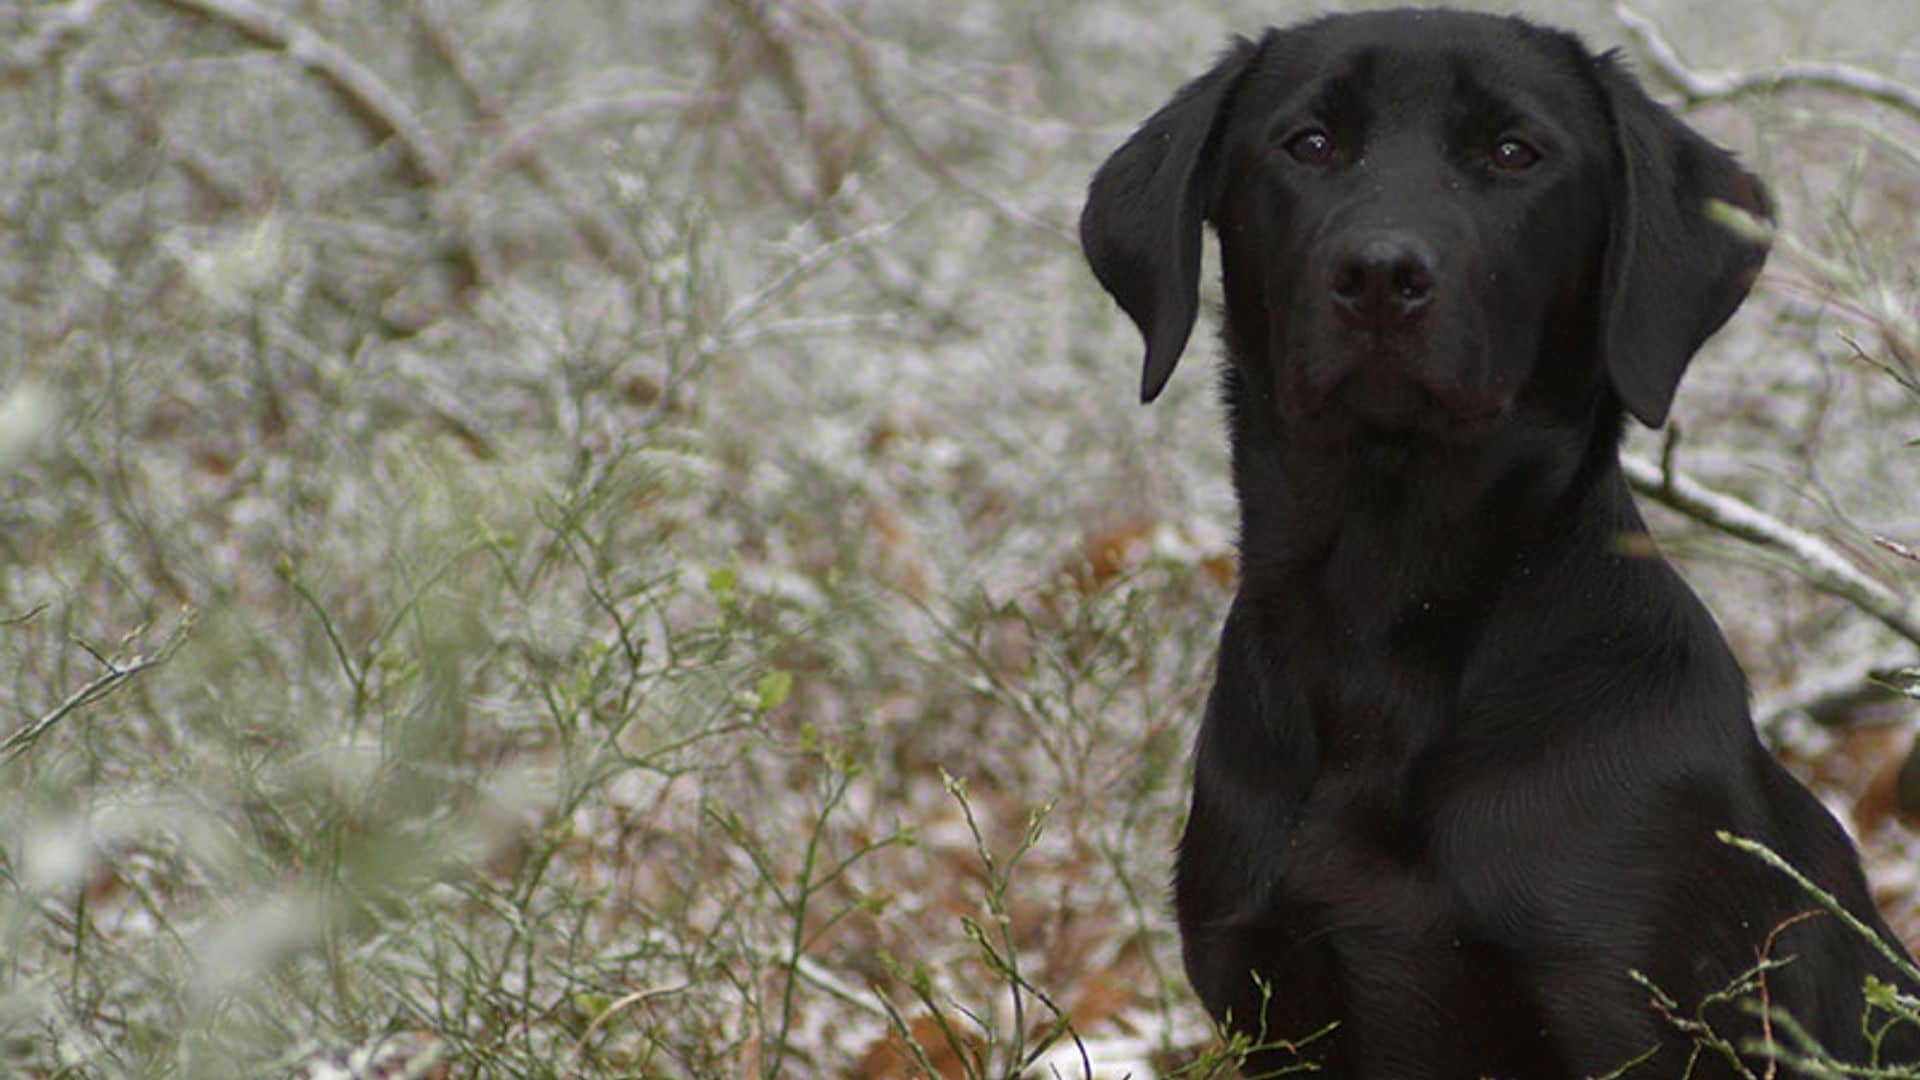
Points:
(587, 538)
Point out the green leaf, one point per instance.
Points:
(772, 690)
(720, 582)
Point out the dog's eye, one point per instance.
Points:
(1311, 147)
(1512, 155)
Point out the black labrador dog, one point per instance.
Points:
(1469, 745)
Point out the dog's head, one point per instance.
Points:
(1427, 220)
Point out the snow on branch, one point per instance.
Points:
(1817, 562)
(1700, 87)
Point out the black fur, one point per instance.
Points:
(1469, 744)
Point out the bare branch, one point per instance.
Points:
(1898, 548)
(860, 55)
(602, 234)
(201, 171)
(117, 674)
(1700, 87)
(1817, 562)
(370, 99)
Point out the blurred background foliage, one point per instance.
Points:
(596, 538)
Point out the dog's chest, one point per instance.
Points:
(1408, 956)
(1363, 866)
(1357, 881)
(1362, 848)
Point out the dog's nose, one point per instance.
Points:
(1383, 281)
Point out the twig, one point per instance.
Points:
(1825, 899)
(1762, 955)
(1700, 87)
(372, 100)
(601, 233)
(116, 675)
(24, 617)
(1854, 698)
(1813, 559)
(805, 264)
(202, 172)
(859, 55)
(619, 1005)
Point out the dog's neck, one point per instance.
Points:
(1393, 525)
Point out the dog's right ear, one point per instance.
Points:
(1674, 274)
(1141, 226)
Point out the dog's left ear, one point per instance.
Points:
(1141, 226)
(1674, 274)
